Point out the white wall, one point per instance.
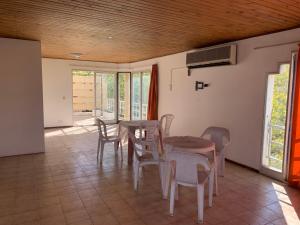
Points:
(57, 88)
(21, 99)
(235, 98)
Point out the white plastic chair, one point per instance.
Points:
(221, 137)
(165, 124)
(104, 138)
(186, 172)
(145, 151)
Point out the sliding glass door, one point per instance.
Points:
(277, 122)
(140, 92)
(109, 96)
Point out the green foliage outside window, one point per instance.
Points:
(278, 117)
(110, 80)
(122, 87)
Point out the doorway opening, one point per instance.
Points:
(94, 95)
(83, 97)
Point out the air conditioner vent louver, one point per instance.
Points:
(223, 55)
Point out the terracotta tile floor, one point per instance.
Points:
(66, 185)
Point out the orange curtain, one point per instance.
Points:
(294, 166)
(153, 95)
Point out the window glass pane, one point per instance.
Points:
(136, 96)
(98, 93)
(124, 96)
(145, 93)
(105, 96)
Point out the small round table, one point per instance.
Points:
(190, 144)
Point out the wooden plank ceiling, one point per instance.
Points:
(133, 30)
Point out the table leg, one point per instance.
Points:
(130, 151)
(130, 146)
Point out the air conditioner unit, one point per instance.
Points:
(212, 56)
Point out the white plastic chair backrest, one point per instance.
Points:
(186, 169)
(218, 135)
(102, 129)
(147, 138)
(165, 124)
(149, 132)
(136, 141)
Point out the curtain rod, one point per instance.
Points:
(275, 45)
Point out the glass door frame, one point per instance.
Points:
(293, 68)
(288, 125)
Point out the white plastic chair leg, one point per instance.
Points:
(116, 146)
(210, 188)
(140, 172)
(166, 182)
(172, 197)
(136, 175)
(161, 175)
(101, 151)
(200, 199)
(121, 149)
(216, 180)
(165, 173)
(221, 168)
(98, 148)
(177, 192)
